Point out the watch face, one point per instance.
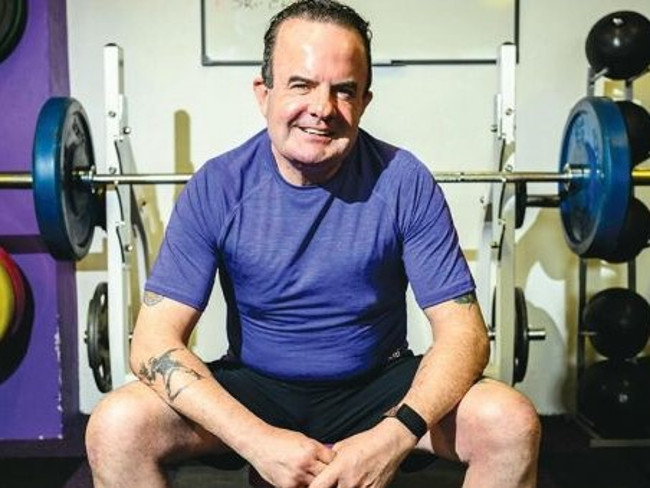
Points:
(391, 412)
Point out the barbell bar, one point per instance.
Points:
(639, 177)
(595, 177)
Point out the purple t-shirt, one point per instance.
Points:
(314, 276)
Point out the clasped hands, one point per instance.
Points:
(370, 459)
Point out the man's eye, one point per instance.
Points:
(346, 94)
(299, 87)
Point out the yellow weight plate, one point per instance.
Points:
(7, 303)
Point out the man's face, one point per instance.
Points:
(317, 99)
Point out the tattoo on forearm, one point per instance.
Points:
(467, 299)
(150, 298)
(165, 366)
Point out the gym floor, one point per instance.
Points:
(567, 461)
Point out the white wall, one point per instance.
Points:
(443, 113)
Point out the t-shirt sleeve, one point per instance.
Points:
(434, 262)
(187, 263)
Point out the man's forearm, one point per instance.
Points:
(448, 369)
(161, 360)
(441, 381)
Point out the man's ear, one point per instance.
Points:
(367, 98)
(261, 93)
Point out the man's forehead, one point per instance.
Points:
(299, 25)
(300, 42)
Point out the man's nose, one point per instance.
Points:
(322, 103)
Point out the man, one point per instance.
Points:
(315, 228)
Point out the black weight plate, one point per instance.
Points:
(521, 337)
(521, 200)
(593, 206)
(13, 18)
(619, 43)
(66, 208)
(97, 338)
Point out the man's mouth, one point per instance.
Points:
(317, 132)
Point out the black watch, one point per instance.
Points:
(410, 419)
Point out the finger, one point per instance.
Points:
(317, 467)
(325, 454)
(326, 479)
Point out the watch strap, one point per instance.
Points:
(411, 420)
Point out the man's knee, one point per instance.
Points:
(509, 418)
(117, 425)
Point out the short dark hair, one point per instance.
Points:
(320, 11)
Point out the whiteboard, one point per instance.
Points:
(404, 31)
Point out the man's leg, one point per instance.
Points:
(495, 430)
(132, 433)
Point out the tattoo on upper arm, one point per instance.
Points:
(467, 299)
(150, 298)
(165, 366)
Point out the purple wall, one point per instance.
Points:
(38, 367)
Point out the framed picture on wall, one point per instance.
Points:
(404, 31)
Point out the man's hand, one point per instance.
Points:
(368, 459)
(288, 459)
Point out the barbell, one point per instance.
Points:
(595, 177)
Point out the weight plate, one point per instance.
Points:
(593, 206)
(6, 303)
(619, 43)
(66, 208)
(637, 124)
(13, 18)
(19, 290)
(97, 338)
(521, 197)
(521, 337)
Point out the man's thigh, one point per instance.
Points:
(134, 411)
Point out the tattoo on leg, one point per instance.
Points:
(467, 299)
(150, 298)
(165, 366)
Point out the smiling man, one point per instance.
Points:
(315, 229)
(313, 99)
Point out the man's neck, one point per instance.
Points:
(306, 175)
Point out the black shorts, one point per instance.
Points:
(326, 412)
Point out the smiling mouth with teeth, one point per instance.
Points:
(316, 132)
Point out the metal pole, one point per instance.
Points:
(441, 177)
(640, 177)
(137, 179)
(504, 177)
(15, 180)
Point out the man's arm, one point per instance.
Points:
(459, 354)
(161, 359)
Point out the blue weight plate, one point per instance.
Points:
(66, 208)
(593, 206)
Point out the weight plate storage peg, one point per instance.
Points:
(593, 206)
(97, 338)
(67, 208)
